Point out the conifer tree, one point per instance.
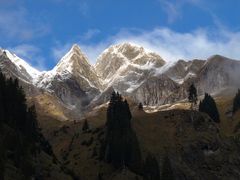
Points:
(25, 139)
(85, 126)
(121, 146)
(236, 102)
(2, 97)
(208, 106)
(192, 95)
(140, 106)
(32, 128)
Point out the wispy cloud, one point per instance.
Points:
(30, 53)
(90, 34)
(84, 8)
(25, 50)
(173, 8)
(60, 50)
(92, 51)
(172, 45)
(16, 23)
(169, 44)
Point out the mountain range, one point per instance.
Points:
(74, 86)
(74, 95)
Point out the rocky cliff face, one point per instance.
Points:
(183, 70)
(130, 69)
(155, 90)
(126, 66)
(157, 82)
(14, 67)
(168, 86)
(217, 74)
(73, 80)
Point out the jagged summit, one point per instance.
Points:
(128, 68)
(72, 60)
(75, 47)
(73, 79)
(130, 51)
(184, 70)
(21, 65)
(118, 58)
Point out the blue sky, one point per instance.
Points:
(41, 31)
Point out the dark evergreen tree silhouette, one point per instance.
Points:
(208, 106)
(85, 125)
(14, 111)
(236, 102)
(167, 172)
(192, 95)
(20, 135)
(151, 168)
(120, 147)
(2, 97)
(32, 128)
(140, 106)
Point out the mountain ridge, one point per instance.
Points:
(130, 69)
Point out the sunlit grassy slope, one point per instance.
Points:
(170, 131)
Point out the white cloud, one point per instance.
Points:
(84, 8)
(92, 51)
(60, 50)
(16, 23)
(173, 8)
(169, 44)
(31, 54)
(25, 50)
(172, 45)
(90, 34)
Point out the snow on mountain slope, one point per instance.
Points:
(17, 67)
(130, 69)
(23, 65)
(125, 66)
(74, 63)
(73, 79)
(183, 70)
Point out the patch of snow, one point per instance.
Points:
(90, 84)
(133, 87)
(21, 64)
(164, 68)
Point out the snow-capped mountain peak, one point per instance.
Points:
(121, 56)
(126, 66)
(22, 64)
(71, 60)
(73, 76)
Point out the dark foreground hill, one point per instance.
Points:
(24, 151)
(198, 149)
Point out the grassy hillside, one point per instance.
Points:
(197, 149)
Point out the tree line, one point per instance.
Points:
(207, 105)
(20, 136)
(121, 147)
